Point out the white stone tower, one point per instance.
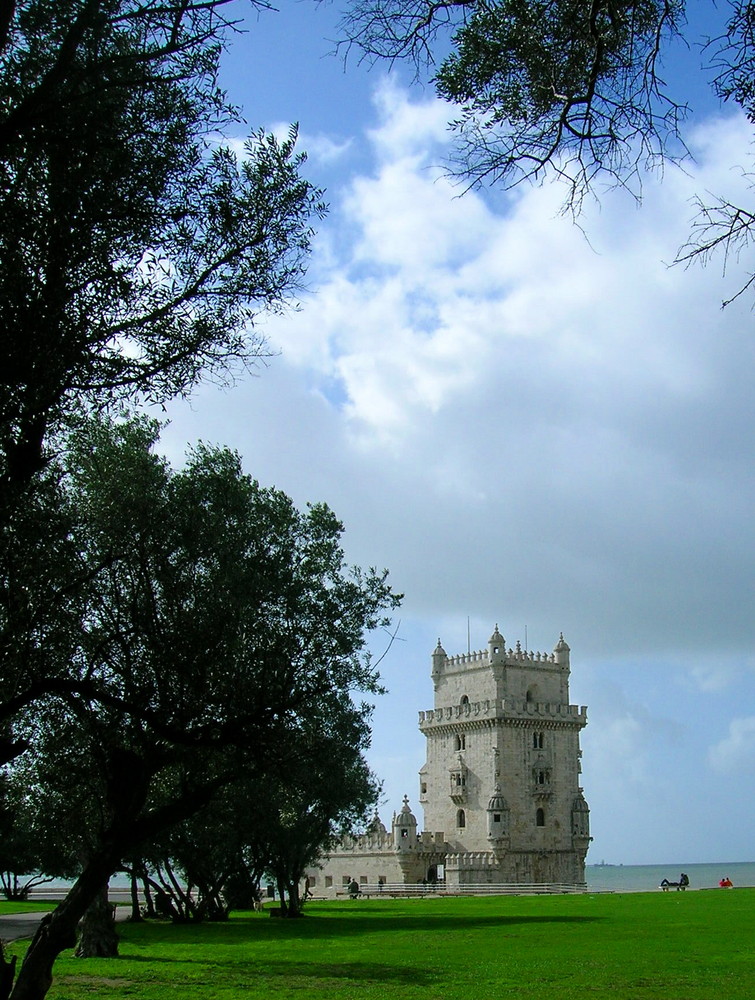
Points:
(503, 762)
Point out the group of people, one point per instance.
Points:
(725, 883)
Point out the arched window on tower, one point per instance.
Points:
(540, 817)
(464, 700)
(537, 741)
(460, 741)
(461, 819)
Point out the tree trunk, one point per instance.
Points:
(136, 912)
(282, 897)
(294, 902)
(57, 931)
(7, 972)
(98, 937)
(149, 902)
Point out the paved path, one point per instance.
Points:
(23, 925)
(19, 925)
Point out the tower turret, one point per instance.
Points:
(580, 819)
(498, 816)
(405, 828)
(439, 663)
(561, 650)
(496, 647)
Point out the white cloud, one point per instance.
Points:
(735, 754)
(407, 127)
(323, 149)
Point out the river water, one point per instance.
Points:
(600, 878)
(644, 878)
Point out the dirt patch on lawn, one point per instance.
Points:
(95, 981)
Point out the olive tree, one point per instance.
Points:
(216, 619)
(278, 822)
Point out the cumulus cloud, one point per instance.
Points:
(582, 398)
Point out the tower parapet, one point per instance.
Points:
(508, 707)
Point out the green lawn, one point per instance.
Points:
(30, 906)
(686, 946)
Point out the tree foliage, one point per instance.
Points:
(559, 84)
(570, 89)
(275, 822)
(136, 248)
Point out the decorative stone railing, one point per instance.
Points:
(508, 708)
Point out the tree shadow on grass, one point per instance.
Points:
(359, 972)
(355, 922)
(360, 921)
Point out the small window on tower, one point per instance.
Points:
(540, 818)
(496, 817)
(461, 819)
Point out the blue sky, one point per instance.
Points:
(528, 423)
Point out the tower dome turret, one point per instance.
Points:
(561, 650)
(439, 662)
(405, 827)
(580, 817)
(376, 825)
(496, 646)
(498, 815)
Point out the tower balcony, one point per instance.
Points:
(503, 709)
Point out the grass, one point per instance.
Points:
(634, 946)
(29, 906)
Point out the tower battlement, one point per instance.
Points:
(482, 658)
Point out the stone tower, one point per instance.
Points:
(503, 762)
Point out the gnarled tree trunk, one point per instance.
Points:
(57, 931)
(98, 937)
